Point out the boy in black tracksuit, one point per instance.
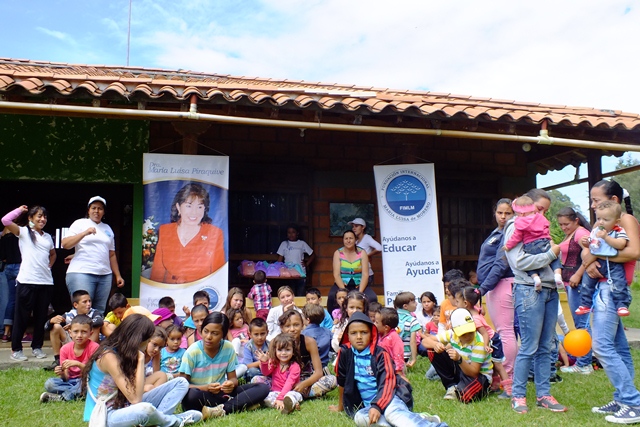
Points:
(370, 392)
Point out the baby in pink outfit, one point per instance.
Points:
(532, 229)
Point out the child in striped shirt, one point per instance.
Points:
(461, 359)
(405, 303)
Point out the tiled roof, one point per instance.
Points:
(36, 77)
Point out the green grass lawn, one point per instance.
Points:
(633, 321)
(20, 390)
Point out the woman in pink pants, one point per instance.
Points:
(496, 279)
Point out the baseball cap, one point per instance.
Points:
(137, 309)
(462, 322)
(358, 221)
(97, 199)
(164, 313)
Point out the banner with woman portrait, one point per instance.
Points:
(185, 230)
(410, 235)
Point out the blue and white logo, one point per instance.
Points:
(407, 193)
(214, 297)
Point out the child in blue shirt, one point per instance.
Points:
(405, 303)
(314, 314)
(370, 392)
(315, 297)
(258, 334)
(171, 355)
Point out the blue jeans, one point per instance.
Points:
(537, 313)
(156, 408)
(252, 372)
(580, 320)
(611, 348)
(69, 389)
(11, 272)
(98, 286)
(620, 291)
(4, 297)
(538, 247)
(396, 414)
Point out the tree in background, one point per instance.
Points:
(559, 200)
(630, 181)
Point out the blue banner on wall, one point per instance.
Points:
(409, 226)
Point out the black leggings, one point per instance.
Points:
(30, 298)
(331, 298)
(239, 399)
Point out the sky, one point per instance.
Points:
(570, 52)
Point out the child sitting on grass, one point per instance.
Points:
(282, 366)
(59, 325)
(356, 301)
(238, 335)
(199, 298)
(461, 359)
(315, 297)
(431, 328)
(260, 293)
(387, 322)
(469, 298)
(153, 375)
(170, 304)
(194, 325)
(73, 357)
(313, 316)
(118, 304)
(370, 392)
(287, 302)
(341, 295)
(374, 308)
(405, 304)
(171, 354)
(258, 333)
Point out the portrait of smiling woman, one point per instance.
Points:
(189, 247)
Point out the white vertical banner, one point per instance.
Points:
(185, 233)
(409, 227)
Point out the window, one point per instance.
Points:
(258, 220)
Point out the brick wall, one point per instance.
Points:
(338, 167)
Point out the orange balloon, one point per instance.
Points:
(577, 342)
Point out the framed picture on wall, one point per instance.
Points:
(341, 213)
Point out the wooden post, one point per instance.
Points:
(594, 171)
(190, 131)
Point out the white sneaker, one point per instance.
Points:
(575, 369)
(625, 415)
(18, 356)
(189, 417)
(451, 393)
(38, 353)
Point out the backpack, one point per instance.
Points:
(262, 266)
(247, 268)
(273, 271)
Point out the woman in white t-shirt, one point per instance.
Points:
(366, 242)
(292, 251)
(34, 283)
(94, 263)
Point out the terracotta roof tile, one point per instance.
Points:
(35, 77)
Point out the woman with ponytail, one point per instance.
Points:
(610, 344)
(34, 283)
(575, 227)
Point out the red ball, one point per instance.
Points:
(577, 342)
